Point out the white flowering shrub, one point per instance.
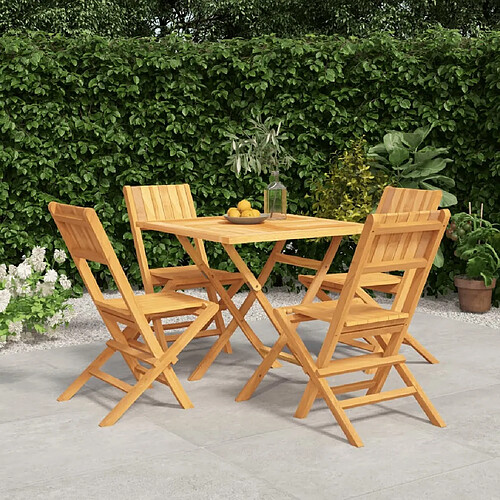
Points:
(33, 295)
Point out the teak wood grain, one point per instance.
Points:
(393, 200)
(218, 229)
(87, 241)
(159, 202)
(387, 244)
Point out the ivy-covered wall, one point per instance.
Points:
(82, 117)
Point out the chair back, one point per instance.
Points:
(396, 200)
(156, 203)
(152, 204)
(87, 241)
(405, 242)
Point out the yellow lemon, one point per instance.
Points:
(233, 212)
(244, 205)
(255, 213)
(247, 213)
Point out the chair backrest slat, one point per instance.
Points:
(395, 200)
(87, 241)
(387, 244)
(157, 203)
(402, 240)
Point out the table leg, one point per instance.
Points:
(275, 351)
(238, 314)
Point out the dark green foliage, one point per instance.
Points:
(113, 18)
(81, 117)
(222, 19)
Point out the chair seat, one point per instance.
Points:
(191, 276)
(153, 304)
(383, 282)
(359, 314)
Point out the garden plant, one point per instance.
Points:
(33, 295)
(477, 243)
(83, 116)
(409, 165)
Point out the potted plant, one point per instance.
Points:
(478, 243)
(261, 151)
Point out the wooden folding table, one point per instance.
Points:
(219, 230)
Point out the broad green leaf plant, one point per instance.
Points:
(33, 295)
(478, 243)
(260, 150)
(409, 165)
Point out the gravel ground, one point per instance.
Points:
(87, 326)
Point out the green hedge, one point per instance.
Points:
(81, 117)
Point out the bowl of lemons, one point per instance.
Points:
(243, 213)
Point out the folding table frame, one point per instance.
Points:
(219, 230)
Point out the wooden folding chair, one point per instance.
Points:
(87, 241)
(157, 203)
(393, 200)
(405, 242)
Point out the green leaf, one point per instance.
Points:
(439, 258)
(392, 140)
(428, 153)
(441, 180)
(428, 168)
(398, 155)
(447, 199)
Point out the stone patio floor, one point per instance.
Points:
(254, 449)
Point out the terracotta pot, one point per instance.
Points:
(473, 295)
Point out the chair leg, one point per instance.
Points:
(85, 376)
(264, 367)
(306, 401)
(160, 334)
(299, 350)
(210, 356)
(339, 414)
(176, 387)
(126, 402)
(163, 365)
(420, 396)
(413, 342)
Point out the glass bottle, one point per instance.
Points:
(275, 198)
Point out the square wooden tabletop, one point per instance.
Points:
(220, 230)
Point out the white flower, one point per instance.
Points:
(68, 315)
(3, 272)
(24, 270)
(50, 276)
(37, 259)
(24, 290)
(12, 271)
(38, 252)
(4, 300)
(10, 283)
(56, 320)
(65, 282)
(59, 256)
(45, 289)
(15, 327)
